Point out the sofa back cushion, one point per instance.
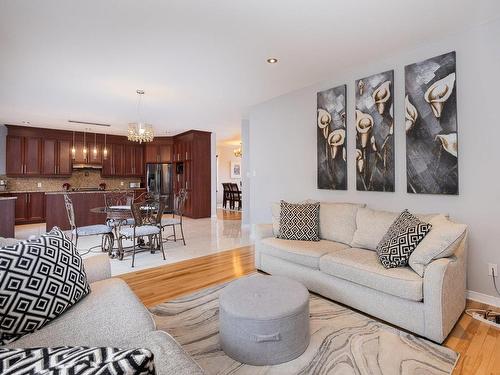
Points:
(337, 221)
(372, 225)
(39, 280)
(441, 242)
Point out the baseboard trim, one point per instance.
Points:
(483, 298)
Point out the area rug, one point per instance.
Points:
(342, 341)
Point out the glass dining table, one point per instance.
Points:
(119, 215)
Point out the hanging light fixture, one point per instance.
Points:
(105, 149)
(94, 151)
(73, 149)
(140, 131)
(84, 145)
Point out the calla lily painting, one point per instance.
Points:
(331, 138)
(374, 132)
(431, 126)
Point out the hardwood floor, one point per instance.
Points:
(228, 214)
(477, 343)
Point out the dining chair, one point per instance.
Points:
(118, 200)
(147, 223)
(226, 195)
(106, 233)
(177, 215)
(235, 195)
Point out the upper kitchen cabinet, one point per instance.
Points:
(23, 156)
(114, 164)
(134, 160)
(158, 151)
(56, 157)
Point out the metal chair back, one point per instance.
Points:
(70, 211)
(118, 199)
(180, 202)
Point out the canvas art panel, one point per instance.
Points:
(374, 120)
(331, 139)
(431, 126)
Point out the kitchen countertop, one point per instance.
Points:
(69, 192)
(7, 198)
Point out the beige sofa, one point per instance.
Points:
(111, 316)
(344, 267)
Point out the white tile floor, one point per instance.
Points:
(203, 237)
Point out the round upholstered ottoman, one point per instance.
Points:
(264, 320)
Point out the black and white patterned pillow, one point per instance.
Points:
(39, 280)
(401, 239)
(76, 360)
(299, 221)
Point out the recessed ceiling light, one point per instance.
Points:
(26, 123)
(272, 60)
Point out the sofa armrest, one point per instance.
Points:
(444, 293)
(97, 267)
(262, 231)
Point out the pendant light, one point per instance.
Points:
(140, 131)
(105, 150)
(84, 145)
(73, 149)
(94, 151)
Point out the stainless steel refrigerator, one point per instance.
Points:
(159, 182)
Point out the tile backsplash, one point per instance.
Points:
(79, 179)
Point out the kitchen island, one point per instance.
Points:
(8, 212)
(83, 202)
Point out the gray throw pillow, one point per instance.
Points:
(401, 239)
(299, 221)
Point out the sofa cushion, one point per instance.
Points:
(305, 253)
(401, 239)
(337, 221)
(170, 358)
(109, 311)
(76, 360)
(362, 267)
(372, 225)
(39, 281)
(299, 221)
(441, 242)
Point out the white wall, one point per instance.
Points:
(3, 137)
(226, 156)
(283, 145)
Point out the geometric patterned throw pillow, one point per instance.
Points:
(39, 280)
(76, 360)
(401, 239)
(299, 221)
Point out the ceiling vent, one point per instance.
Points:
(89, 123)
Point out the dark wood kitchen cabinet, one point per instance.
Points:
(158, 151)
(133, 160)
(23, 156)
(192, 160)
(30, 207)
(56, 158)
(114, 164)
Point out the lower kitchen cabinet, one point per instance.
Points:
(30, 208)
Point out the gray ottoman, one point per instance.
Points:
(264, 320)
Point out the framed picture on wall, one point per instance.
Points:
(235, 169)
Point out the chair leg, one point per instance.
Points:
(182, 233)
(160, 240)
(133, 254)
(76, 242)
(175, 235)
(120, 248)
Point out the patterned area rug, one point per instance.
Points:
(342, 341)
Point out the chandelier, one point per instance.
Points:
(140, 131)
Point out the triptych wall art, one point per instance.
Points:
(331, 138)
(374, 133)
(430, 126)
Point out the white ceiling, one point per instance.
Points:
(201, 62)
